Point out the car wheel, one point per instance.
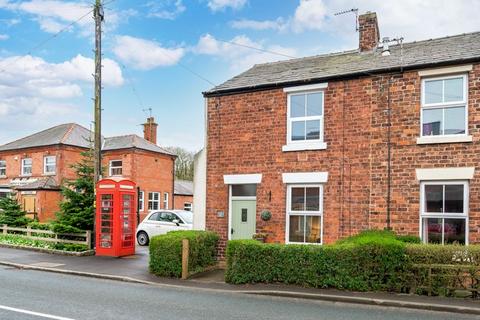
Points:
(142, 238)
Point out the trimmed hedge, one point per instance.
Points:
(367, 262)
(371, 265)
(166, 252)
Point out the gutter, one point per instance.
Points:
(261, 87)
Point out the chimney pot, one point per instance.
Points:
(369, 34)
(150, 130)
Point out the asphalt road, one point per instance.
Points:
(42, 295)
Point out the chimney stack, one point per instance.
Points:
(369, 35)
(150, 130)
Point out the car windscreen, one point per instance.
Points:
(186, 216)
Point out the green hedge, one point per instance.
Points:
(371, 265)
(166, 252)
(368, 262)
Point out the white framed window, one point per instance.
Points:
(140, 201)
(305, 121)
(49, 164)
(3, 168)
(444, 212)
(153, 201)
(115, 167)
(165, 200)
(304, 214)
(444, 109)
(26, 167)
(187, 206)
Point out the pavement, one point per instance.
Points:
(134, 269)
(34, 295)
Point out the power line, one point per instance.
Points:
(45, 41)
(258, 49)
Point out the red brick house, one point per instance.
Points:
(384, 136)
(183, 195)
(35, 166)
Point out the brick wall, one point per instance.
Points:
(151, 172)
(180, 200)
(246, 133)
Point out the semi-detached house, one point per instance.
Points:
(384, 136)
(35, 167)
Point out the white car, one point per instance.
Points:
(161, 222)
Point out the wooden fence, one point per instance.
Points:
(432, 278)
(49, 236)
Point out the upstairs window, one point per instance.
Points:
(27, 167)
(116, 168)
(3, 168)
(305, 117)
(444, 106)
(49, 165)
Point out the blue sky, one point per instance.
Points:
(149, 45)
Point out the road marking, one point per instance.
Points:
(38, 314)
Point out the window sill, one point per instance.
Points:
(304, 146)
(50, 174)
(3, 177)
(444, 139)
(25, 175)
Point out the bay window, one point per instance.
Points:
(444, 212)
(304, 214)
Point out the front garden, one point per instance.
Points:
(371, 261)
(69, 232)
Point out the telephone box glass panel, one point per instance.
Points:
(126, 216)
(106, 221)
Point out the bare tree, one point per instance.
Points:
(183, 164)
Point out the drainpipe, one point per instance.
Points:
(389, 155)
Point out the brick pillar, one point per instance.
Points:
(369, 34)
(150, 130)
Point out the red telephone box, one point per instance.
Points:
(115, 217)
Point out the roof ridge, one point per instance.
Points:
(38, 132)
(72, 125)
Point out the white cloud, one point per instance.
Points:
(9, 22)
(408, 18)
(169, 9)
(30, 85)
(54, 15)
(216, 5)
(145, 54)
(278, 24)
(411, 19)
(310, 14)
(4, 36)
(240, 55)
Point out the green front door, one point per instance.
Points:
(243, 219)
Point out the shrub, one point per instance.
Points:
(365, 264)
(166, 252)
(12, 214)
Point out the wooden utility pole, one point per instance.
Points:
(97, 143)
(97, 149)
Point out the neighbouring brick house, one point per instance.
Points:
(34, 167)
(378, 137)
(183, 193)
